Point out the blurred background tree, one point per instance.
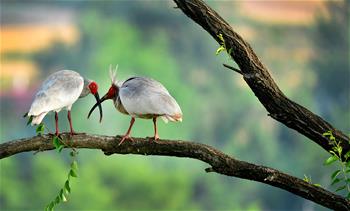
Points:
(331, 41)
(308, 56)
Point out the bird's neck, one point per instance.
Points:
(84, 92)
(119, 106)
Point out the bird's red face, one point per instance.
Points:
(93, 87)
(94, 91)
(111, 94)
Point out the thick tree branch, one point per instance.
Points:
(259, 80)
(219, 162)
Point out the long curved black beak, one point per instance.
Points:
(98, 100)
(98, 103)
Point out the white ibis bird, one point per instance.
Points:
(143, 98)
(60, 90)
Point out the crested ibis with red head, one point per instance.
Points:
(141, 97)
(60, 90)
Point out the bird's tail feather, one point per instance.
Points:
(172, 118)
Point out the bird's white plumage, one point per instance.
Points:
(144, 96)
(60, 90)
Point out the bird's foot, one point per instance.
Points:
(152, 138)
(126, 137)
(72, 133)
(155, 138)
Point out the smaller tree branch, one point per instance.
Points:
(219, 162)
(233, 68)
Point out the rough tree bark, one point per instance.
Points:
(219, 162)
(259, 80)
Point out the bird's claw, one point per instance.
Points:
(156, 137)
(72, 133)
(126, 137)
(153, 138)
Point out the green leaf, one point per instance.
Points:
(330, 160)
(335, 174)
(30, 120)
(328, 133)
(74, 165)
(73, 173)
(62, 196)
(347, 155)
(340, 188)
(57, 200)
(348, 196)
(50, 206)
(40, 129)
(317, 185)
(67, 187)
(221, 48)
(339, 149)
(221, 38)
(60, 148)
(64, 199)
(56, 142)
(335, 181)
(307, 179)
(332, 152)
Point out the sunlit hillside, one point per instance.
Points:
(283, 12)
(26, 38)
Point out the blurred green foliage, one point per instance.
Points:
(152, 39)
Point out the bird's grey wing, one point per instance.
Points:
(61, 89)
(147, 96)
(142, 83)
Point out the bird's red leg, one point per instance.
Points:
(156, 136)
(56, 121)
(72, 132)
(127, 135)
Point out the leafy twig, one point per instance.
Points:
(66, 189)
(308, 180)
(59, 145)
(339, 177)
(222, 46)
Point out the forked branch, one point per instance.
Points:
(259, 79)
